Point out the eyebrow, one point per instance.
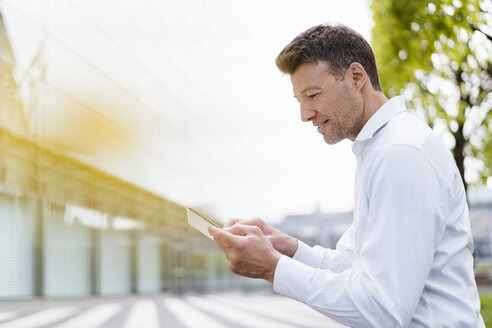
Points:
(306, 89)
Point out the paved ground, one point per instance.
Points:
(224, 310)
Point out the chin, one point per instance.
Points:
(332, 140)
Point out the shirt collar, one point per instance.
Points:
(382, 116)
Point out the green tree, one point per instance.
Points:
(438, 54)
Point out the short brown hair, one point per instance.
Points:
(337, 45)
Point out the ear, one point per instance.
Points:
(357, 75)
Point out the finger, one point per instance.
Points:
(254, 222)
(243, 230)
(224, 239)
(231, 222)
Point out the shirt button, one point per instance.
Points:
(361, 158)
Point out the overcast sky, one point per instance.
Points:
(183, 98)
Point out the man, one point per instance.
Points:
(406, 260)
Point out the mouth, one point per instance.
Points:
(321, 126)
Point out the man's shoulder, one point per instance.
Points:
(406, 129)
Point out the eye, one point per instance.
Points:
(312, 96)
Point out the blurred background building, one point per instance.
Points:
(69, 229)
(480, 202)
(319, 228)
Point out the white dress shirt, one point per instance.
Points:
(406, 260)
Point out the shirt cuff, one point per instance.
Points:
(306, 255)
(291, 278)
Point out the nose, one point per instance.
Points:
(307, 113)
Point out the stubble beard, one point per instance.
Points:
(350, 127)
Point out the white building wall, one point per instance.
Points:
(67, 253)
(17, 224)
(115, 263)
(149, 263)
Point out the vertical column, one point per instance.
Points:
(188, 267)
(39, 230)
(164, 284)
(166, 265)
(134, 262)
(95, 265)
(39, 248)
(95, 262)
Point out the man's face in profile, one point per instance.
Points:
(331, 105)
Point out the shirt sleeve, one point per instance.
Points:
(383, 285)
(337, 260)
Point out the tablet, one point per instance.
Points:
(200, 222)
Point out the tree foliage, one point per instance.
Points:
(438, 54)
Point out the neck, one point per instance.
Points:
(372, 102)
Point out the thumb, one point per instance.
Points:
(213, 230)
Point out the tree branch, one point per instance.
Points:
(477, 28)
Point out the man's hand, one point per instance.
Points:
(283, 243)
(248, 250)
